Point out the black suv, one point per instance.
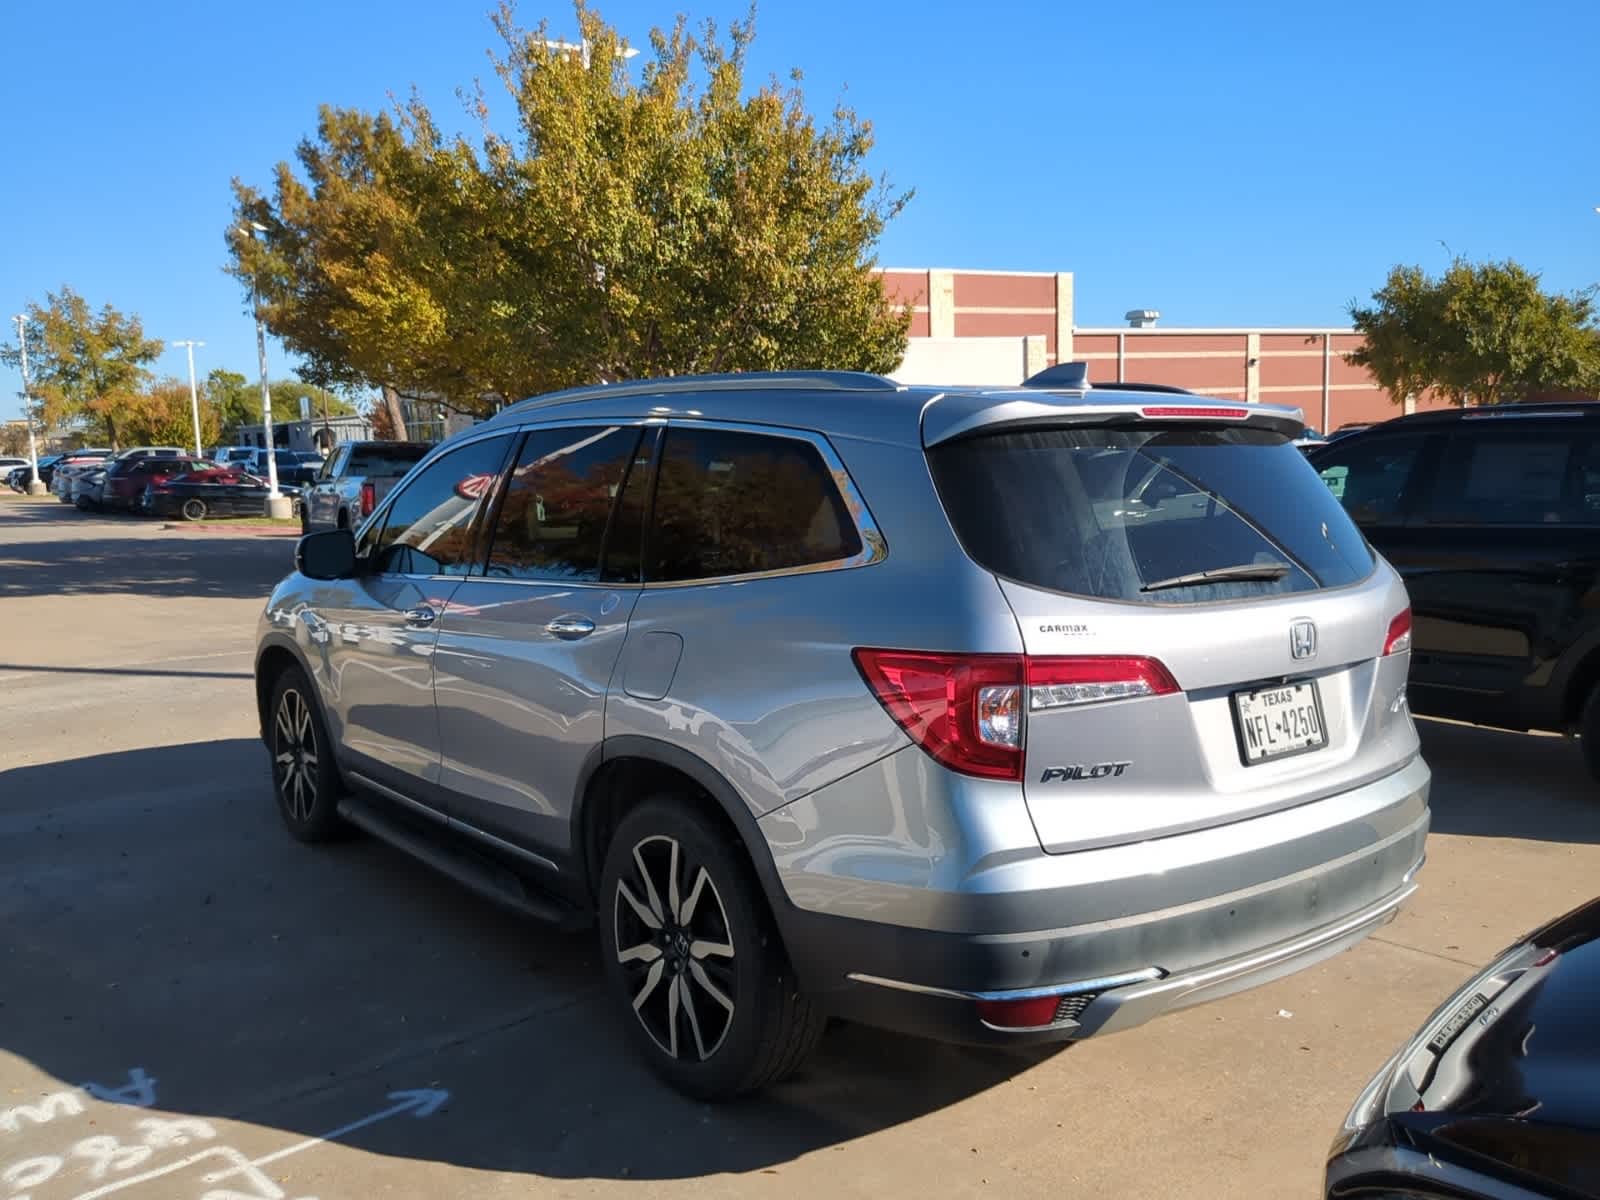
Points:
(1492, 516)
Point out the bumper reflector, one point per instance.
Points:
(1019, 1014)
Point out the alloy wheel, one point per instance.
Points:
(294, 750)
(676, 950)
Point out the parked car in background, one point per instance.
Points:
(9, 463)
(125, 479)
(297, 468)
(1492, 517)
(1003, 717)
(1309, 439)
(354, 480)
(86, 486)
(1495, 1097)
(71, 465)
(1347, 429)
(206, 491)
(17, 478)
(235, 457)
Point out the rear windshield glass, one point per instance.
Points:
(1146, 514)
(385, 460)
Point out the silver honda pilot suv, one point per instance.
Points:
(995, 715)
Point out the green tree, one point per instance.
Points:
(1481, 333)
(237, 400)
(648, 220)
(87, 367)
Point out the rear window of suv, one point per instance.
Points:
(1143, 514)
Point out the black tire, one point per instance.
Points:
(305, 521)
(714, 1025)
(194, 509)
(344, 519)
(306, 782)
(1589, 733)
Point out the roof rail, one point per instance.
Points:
(819, 381)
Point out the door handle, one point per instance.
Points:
(570, 628)
(420, 616)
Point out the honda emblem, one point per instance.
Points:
(1302, 640)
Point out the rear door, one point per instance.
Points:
(1161, 700)
(526, 648)
(1501, 564)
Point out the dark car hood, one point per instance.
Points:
(1518, 1084)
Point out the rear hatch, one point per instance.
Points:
(1208, 637)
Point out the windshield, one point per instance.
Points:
(1150, 515)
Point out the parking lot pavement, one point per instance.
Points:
(192, 1002)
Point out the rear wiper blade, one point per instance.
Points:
(1241, 572)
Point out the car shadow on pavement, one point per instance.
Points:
(136, 560)
(159, 919)
(1494, 783)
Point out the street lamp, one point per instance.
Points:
(583, 46)
(278, 505)
(194, 394)
(35, 488)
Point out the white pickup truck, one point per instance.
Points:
(353, 480)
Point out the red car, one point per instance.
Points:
(126, 478)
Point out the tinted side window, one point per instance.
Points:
(623, 558)
(428, 528)
(733, 503)
(552, 522)
(1497, 476)
(331, 467)
(1370, 475)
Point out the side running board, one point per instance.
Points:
(452, 856)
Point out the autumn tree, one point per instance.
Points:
(14, 438)
(160, 415)
(643, 220)
(1480, 333)
(86, 367)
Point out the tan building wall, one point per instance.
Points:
(1306, 368)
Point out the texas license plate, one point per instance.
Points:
(1276, 722)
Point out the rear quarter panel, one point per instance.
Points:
(766, 691)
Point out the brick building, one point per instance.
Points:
(1001, 326)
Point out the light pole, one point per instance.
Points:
(35, 488)
(582, 47)
(278, 505)
(194, 395)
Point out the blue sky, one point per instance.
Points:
(1227, 164)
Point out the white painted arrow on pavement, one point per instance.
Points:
(419, 1102)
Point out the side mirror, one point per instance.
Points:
(327, 555)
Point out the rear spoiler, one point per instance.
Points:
(957, 414)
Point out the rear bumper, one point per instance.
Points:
(1128, 932)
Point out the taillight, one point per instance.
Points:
(1060, 682)
(1398, 639)
(369, 499)
(968, 711)
(963, 709)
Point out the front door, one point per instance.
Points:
(526, 650)
(381, 628)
